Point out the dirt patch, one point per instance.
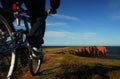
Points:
(27, 75)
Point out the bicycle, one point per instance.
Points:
(11, 43)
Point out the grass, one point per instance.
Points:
(63, 66)
(90, 68)
(74, 47)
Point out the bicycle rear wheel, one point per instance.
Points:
(7, 63)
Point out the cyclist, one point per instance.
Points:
(36, 10)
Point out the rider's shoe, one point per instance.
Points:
(37, 52)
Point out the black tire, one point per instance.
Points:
(35, 65)
(5, 37)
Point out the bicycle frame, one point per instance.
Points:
(18, 38)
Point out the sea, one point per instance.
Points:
(113, 52)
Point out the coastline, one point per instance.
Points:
(113, 52)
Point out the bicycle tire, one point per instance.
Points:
(12, 60)
(35, 64)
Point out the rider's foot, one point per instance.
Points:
(37, 52)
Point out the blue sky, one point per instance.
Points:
(84, 22)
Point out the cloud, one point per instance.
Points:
(56, 24)
(88, 34)
(115, 16)
(70, 38)
(66, 17)
(57, 34)
(71, 35)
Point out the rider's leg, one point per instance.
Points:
(37, 15)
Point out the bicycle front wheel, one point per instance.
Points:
(8, 57)
(35, 64)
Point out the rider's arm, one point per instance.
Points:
(54, 5)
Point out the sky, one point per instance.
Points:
(84, 22)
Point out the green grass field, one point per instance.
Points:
(63, 66)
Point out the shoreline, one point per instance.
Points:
(112, 51)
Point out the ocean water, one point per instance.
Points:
(113, 52)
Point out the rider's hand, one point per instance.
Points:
(51, 11)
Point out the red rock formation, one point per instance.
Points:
(101, 50)
(88, 51)
(76, 50)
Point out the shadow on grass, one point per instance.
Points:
(85, 72)
(47, 71)
(76, 71)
